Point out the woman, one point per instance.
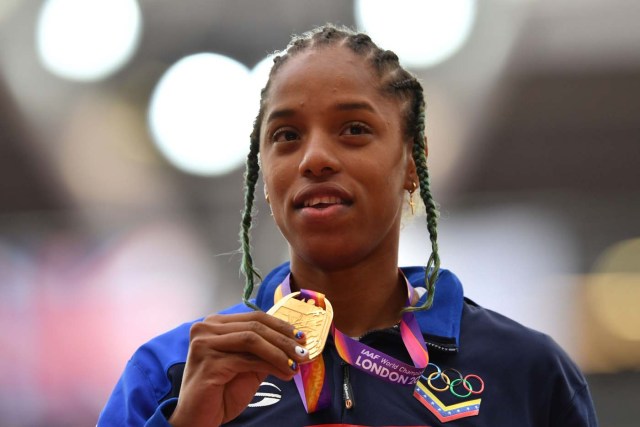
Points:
(340, 135)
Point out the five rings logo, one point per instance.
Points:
(450, 386)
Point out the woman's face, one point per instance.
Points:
(334, 159)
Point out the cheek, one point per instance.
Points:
(394, 186)
(277, 181)
(391, 170)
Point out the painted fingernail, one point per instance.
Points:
(293, 365)
(298, 334)
(301, 351)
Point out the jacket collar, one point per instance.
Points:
(440, 324)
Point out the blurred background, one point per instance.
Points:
(123, 129)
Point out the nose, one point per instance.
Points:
(319, 157)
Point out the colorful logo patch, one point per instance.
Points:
(448, 394)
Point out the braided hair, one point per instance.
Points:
(395, 82)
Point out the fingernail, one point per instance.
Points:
(293, 365)
(301, 351)
(298, 334)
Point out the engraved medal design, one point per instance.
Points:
(308, 316)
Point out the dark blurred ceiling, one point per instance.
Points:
(574, 131)
(27, 183)
(558, 126)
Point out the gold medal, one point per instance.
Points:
(306, 316)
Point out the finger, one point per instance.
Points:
(220, 367)
(262, 317)
(280, 351)
(245, 363)
(251, 344)
(290, 346)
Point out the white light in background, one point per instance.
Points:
(87, 39)
(421, 32)
(202, 111)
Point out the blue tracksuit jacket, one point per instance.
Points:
(527, 380)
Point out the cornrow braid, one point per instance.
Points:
(395, 81)
(360, 43)
(419, 157)
(250, 180)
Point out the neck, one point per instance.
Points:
(363, 299)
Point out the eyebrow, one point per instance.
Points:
(346, 106)
(286, 112)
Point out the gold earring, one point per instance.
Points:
(412, 205)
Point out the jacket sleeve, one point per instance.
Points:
(579, 413)
(133, 402)
(571, 403)
(143, 395)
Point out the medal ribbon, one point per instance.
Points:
(381, 365)
(312, 388)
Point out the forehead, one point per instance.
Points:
(325, 72)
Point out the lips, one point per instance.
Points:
(321, 196)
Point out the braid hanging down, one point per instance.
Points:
(395, 81)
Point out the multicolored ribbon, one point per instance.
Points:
(312, 388)
(379, 364)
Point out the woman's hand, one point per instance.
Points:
(229, 357)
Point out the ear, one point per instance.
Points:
(411, 174)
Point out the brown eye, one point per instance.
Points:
(285, 135)
(356, 128)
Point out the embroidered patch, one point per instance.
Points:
(461, 394)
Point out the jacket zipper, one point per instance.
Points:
(347, 390)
